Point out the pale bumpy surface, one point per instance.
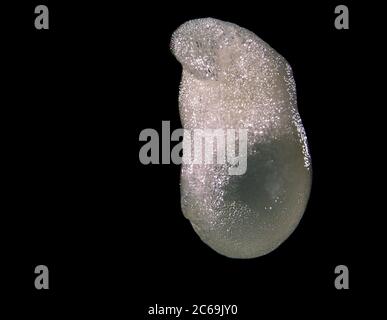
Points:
(233, 79)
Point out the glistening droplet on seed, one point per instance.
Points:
(232, 79)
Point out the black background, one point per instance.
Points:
(77, 199)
